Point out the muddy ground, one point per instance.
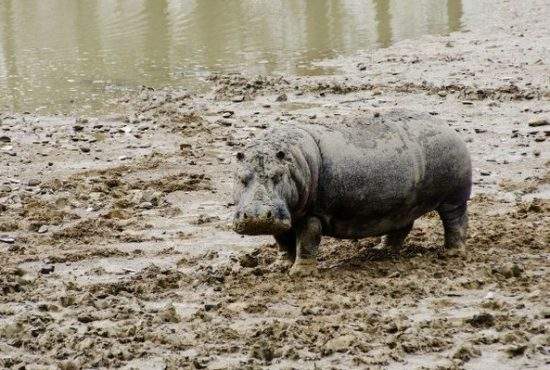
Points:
(115, 249)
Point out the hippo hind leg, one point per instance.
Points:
(393, 241)
(455, 225)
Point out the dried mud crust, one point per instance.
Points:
(365, 308)
(115, 199)
(502, 93)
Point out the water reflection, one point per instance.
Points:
(59, 53)
(383, 22)
(454, 14)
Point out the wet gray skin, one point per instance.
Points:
(367, 176)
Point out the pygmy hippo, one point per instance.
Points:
(366, 176)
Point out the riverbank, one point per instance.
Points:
(115, 248)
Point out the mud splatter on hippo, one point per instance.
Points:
(372, 176)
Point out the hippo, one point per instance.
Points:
(367, 175)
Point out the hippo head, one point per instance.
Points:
(264, 190)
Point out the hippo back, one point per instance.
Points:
(390, 169)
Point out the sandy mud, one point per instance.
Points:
(116, 251)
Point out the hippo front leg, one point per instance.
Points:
(394, 240)
(308, 239)
(287, 249)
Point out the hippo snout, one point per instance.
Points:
(261, 220)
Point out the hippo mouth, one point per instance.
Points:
(252, 226)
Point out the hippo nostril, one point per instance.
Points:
(269, 214)
(282, 213)
(245, 216)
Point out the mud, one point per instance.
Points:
(116, 251)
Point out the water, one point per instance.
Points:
(60, 55)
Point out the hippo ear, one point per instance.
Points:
(280, 154)
(240, 156)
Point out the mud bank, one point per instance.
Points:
(115, 249)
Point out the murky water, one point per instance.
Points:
(64, 54)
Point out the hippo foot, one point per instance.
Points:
(283, 262)
(385, 250)
(454, 251)
(304, 267)
(384, 247)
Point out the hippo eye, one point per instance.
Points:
(276, 177)
(240, 156)
(245, 179)
(280, 155)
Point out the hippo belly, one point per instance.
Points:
(380, 177)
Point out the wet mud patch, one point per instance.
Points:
(85, 230)
(12, 281)
(237, 87)
(75, 256)
(372, 307)
(365, 308)
(38, 212)
(178, 182)
(464, 92)
(110, 203)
